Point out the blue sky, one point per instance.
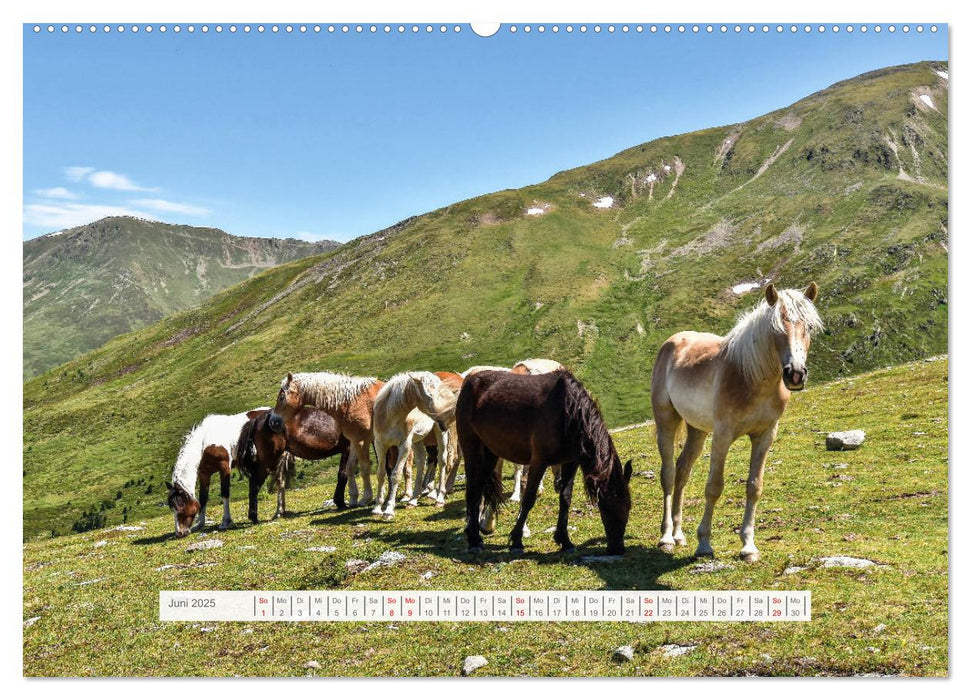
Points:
(335, 136)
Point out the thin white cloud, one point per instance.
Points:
(56, 193)
(167, 206)
(76, 173)
(115, 181)
(67, 215)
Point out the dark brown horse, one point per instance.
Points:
(310, 433)
(539, 420)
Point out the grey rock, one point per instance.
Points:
(324, 548)
(710, 567)
(622, 654)
(847, 562)
(312, 664)
(388, 558)
(204, 544)
(793, 570)
(473, 664)
(845, 440)
(673, 650)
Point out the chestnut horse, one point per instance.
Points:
(310, 434)
(349, 401)
(539, 420)
(208, 449)
(729, 387)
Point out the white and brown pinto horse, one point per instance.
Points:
(349, 401)
(729, 387)
(209, 448)
(408, 408)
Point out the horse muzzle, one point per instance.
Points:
(794, 379)
(275, 423)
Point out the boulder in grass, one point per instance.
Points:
(845, 440)
(622, 655)
(473, 664)
(204, 544)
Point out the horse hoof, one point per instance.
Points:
(439, 504)
(475, 549)
(680, 541)
(567, 548)
(704, 553)
(389, 516)
(749, 557)
(666, 547)
(517, 551)
(377, 512)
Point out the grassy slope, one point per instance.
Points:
(93, 282)
(886, 502)
(480, 282)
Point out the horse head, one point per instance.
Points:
(797, 319)
(289, 400)
(184, 506)
(615, 504)
(435, 397)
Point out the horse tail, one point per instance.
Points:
(243, 446)
(584, 427)
(490, 484)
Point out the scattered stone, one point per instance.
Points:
(845, 440)
(602, 559)
(674, 650)
(623, 654)
(312, 664)
(849, 562)
(29, 622)
(879, 628)
(247, 546)
(204, 544)
(792, 570)
(329, 503)
(100, 543)
(94, 580)
(207, 629)
(427, 575)
(473, 664)
(503, 629)
(324, 548)
(388, 558)
(710, 567)
(872, 650)
(552, 529)
(248, 630)
(127, 528)
(355, 566)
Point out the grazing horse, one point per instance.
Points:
(539, 420)
(729, 387)
(260, 452)
(349, 401)
(408, 407)
(207, 449)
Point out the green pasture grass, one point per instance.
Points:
(91, 600)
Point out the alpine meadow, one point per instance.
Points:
(595, 267)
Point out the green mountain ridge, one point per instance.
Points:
(85, 285)
(595, 267)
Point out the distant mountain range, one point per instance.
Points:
(86, 285)
(594, 267)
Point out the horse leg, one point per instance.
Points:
(420, 460)
(384, 471)
(479, 460)
(488, 516)
(283, 468)
(394, 464)
(693, 446)
(364, 459)
(720, 442)
(667, 422)
(408, 472)
(341, 487)
(444, 439)
(255, 484)
(455, 454)
(518, 483)
(533, 478)
(204, 479)
(564, 485)
(753, 490)
(225, 479)
(351, 472)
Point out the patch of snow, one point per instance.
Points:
(604, 203)
(744, 287)
(667, 168)
(942, 73)
(926, 99)
(652, 177)
(536, 211)
(128, 528)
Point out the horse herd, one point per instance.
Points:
(537, 415)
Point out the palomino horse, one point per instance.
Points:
(732, 386)
(207, 449)
(349, 401)
(260, 452)
(451, 458)
(540, 421)
(396, 430)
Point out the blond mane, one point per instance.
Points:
(330, 390)
(749, 346)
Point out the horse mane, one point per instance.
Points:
(214, 429)
(585, 427)
(747, 345)
(329, 390)
(396, 393)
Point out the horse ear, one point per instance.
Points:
(289, 377)
(812, 291)
(771, 295)
(168, 486)
(628, 469)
